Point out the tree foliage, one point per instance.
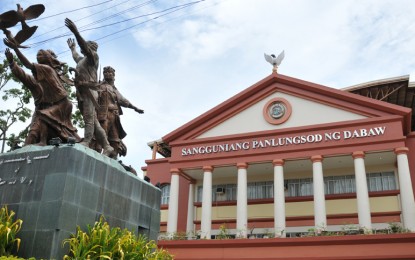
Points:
(18, 113)
(19, 98)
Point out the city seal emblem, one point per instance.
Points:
(277, 110)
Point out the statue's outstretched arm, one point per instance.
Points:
(72, 45)
(126, 103)
(19, 54)
(18, 72)
(136, 109)
(81, 42)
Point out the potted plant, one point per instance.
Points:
(223, 232)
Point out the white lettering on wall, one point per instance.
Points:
(284, 141)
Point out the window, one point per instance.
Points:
(380, 181)
(224, 192)
(165, 194)
(339, 184)
(299, 187)
(227, 192)
(302, 187)
(255, 190)
(260, 190)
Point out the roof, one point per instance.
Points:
(395, 91)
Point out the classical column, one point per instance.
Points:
(279, 198)
(206, 223)
(173, 202)
(190, 210)
(362, 194)
(320, 218)
(242, 201)
(406, 191)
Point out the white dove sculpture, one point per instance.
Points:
(275, 61)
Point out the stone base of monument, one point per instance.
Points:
(54, 189)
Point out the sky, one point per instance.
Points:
(178, 59)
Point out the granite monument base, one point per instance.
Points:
(54, 189)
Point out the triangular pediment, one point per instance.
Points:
(303, 112)
(305, 104)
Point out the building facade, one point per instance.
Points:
(284, 157)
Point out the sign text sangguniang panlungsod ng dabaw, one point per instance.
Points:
(285, 141)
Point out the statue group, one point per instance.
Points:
(98, 101)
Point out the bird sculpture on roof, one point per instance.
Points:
(11, 18)
(274, 60)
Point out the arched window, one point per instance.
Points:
(165, 194)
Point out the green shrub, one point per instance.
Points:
(8, 230)
(103, 242)
(396, 227)
(11, 257)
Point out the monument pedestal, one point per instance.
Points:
(55, 189)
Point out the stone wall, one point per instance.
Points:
(55, 189)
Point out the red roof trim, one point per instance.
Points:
(278, 82)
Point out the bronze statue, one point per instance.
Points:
(53, 109)
(11, 18)
(52, 116)
(85, 83)
(109, 110)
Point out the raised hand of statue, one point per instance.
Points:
(71, 25)
(71, 43)
(9, 55)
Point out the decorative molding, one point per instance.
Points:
(358, 154)
(401, 150)
(301, 218)
(278, 162)
(277, 111)
(316, 158)
(242, 165)
(175, 171)
(372, 194)
(207, 169)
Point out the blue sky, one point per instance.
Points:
(180, 65)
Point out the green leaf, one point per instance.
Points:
(103, 242)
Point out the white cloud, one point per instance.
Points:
(180, 65)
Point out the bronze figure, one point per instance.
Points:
(53, 109)
(11, 18)
(85, 83)
(100, 103)
(109, 110)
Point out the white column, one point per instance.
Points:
(206, 223)
(173, 202)
(279, 199)
(190, 210)
(406, 190)
(242, 201)
(362, 194)
(320, 218)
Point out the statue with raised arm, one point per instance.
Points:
(86, 83)
(53, 109)
(109, 110)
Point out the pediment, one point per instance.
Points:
(303, 112)
(310, 105)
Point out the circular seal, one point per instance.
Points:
(277, 110)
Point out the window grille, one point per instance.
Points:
(165, 194)
(339, 184)
(301, 187)
(381, 181)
